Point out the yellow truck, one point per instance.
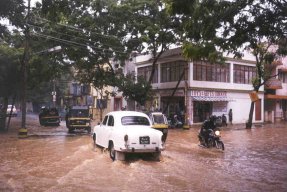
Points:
(78, 117)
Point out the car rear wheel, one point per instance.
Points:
(112, 151)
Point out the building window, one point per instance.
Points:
(145, 72)
(205, 71)
(172, 71)
(243, 74)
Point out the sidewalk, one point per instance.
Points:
(239, 126)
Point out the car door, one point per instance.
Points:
(101, 132)
(108, 130)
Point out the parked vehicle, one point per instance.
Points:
(159, 122)
(175, 122)
(78, 117)
(128, 132)
(49, 116)
(14, 112)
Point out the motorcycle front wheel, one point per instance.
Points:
(219, 145)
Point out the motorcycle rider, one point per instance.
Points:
(205, 129)
(224, 120)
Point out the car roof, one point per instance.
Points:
(119, 114)
(127, 113)
(157, 113)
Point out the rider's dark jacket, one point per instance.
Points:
(207, 124)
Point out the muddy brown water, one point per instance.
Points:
(51, 160)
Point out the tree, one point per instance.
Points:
(107, 33)
(253, 25)
(152, 29)
(9, 79)
(40, 68)
(90, 39)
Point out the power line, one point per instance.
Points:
(68, 42)
(87, 40)
(76, 28)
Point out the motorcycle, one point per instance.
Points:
(213, 139)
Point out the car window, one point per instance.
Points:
(105, 120)
(111, 121)
(135, 120)
(158, 119)
(79, 113)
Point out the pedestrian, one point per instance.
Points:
(230, 116)
(224, 120)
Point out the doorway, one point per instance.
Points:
(201, 111)
(258, 110)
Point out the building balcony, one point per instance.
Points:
(273, 83)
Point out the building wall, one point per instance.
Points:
(238, 93)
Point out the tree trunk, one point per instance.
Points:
(249, 122)
(9, 118)
(3, 115)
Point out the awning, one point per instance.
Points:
(201, 98)
(269, 96)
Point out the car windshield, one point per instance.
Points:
(79, 113)
(135, 120)
(158, 119)
(53, 112)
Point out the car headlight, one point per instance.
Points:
(217, 133)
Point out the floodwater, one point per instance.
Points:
(51, 160)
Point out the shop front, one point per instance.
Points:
(173, 105)
(205, 103)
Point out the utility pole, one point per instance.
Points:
(24, 63)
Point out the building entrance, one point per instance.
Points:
(201, 111)
(175, 107)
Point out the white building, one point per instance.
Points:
(276, 92)
(205, 89)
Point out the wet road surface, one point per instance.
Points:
(50, 159)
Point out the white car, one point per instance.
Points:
(128, 132)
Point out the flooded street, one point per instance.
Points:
(50, 159)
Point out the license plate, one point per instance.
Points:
(144, 140)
